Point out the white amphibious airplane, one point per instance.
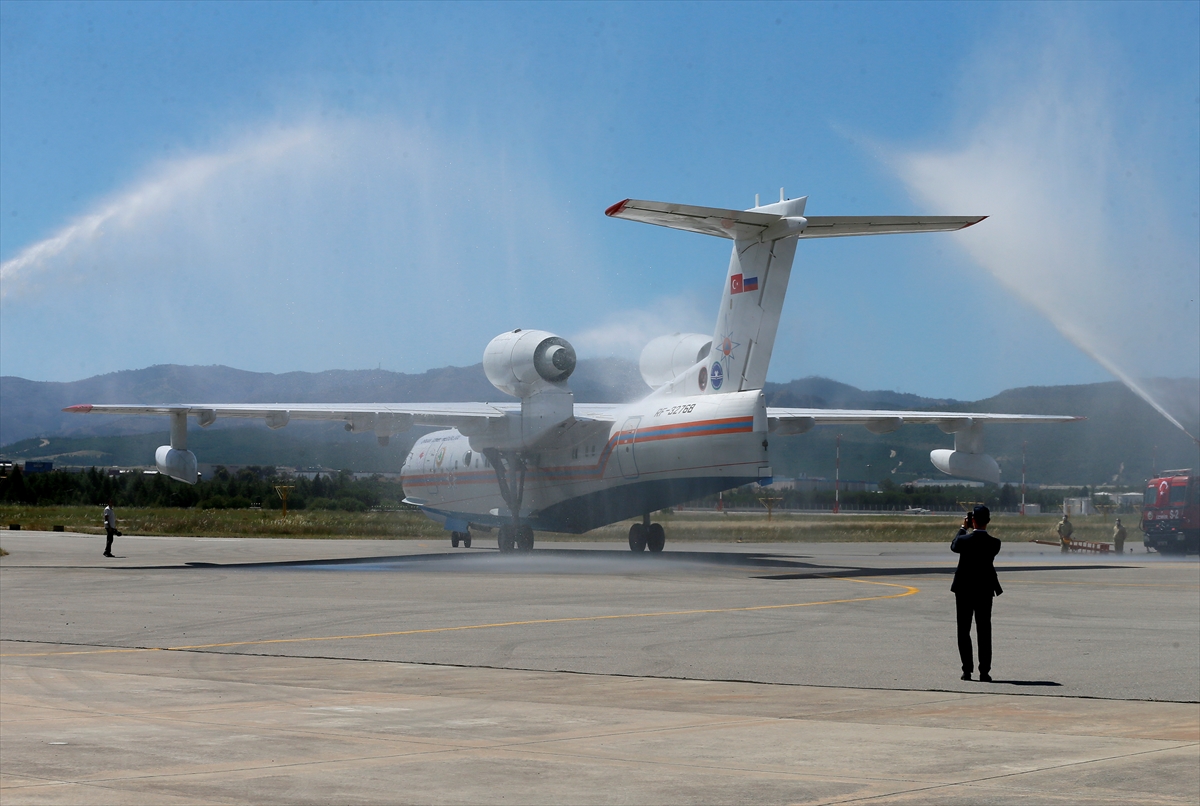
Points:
(546, 463)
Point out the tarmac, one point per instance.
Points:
(223, 670)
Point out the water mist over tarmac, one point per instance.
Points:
(1080, 227)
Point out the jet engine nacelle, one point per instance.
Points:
(977, 466)
(668, 357)
(525, 362)
(179, 465)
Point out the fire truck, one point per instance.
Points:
(1171, 513)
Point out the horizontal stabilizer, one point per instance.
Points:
(736, 224)
(758, 224)
(838, 226)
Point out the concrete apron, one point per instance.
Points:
(163, 727)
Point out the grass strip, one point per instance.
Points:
(680, 526)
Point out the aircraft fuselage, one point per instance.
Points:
(655, 454)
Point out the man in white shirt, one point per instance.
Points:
(110, 527)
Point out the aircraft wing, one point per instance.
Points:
(360, 416)
(797, 421)
(490, 421)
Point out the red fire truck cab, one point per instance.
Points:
(1171, 513)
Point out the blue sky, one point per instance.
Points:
(310, 186)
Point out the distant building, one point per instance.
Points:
(1078, 506)
(311, 473)
(819, 483)
(38, 467)
(1122, 500)
(208, 470)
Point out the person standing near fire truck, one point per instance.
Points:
(1064, 533)
(1119, 537)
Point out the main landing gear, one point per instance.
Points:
(515, 536)
(518, 539)
(647, 535)
(465, 537)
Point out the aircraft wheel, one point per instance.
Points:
(466, 540)
(505, 539)
(454, 540)
(525, 539)
(656, 538)
(637, 538)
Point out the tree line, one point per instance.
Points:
(256, 486)
(895, 497)
(248, 487)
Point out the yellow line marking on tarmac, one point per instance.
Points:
(909, 590)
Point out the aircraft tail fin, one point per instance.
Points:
(764, 246)
(751, 304)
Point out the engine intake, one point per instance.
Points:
(524, 362)
(667, 357)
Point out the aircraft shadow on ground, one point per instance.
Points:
(617, 561)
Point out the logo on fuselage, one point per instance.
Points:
(717, 374)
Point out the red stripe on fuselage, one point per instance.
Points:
(656, 433)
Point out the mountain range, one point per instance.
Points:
(1123, 440)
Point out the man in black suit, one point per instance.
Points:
(975, 583)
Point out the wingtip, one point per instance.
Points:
(973, 223)
(83, 408)
(616, 208)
